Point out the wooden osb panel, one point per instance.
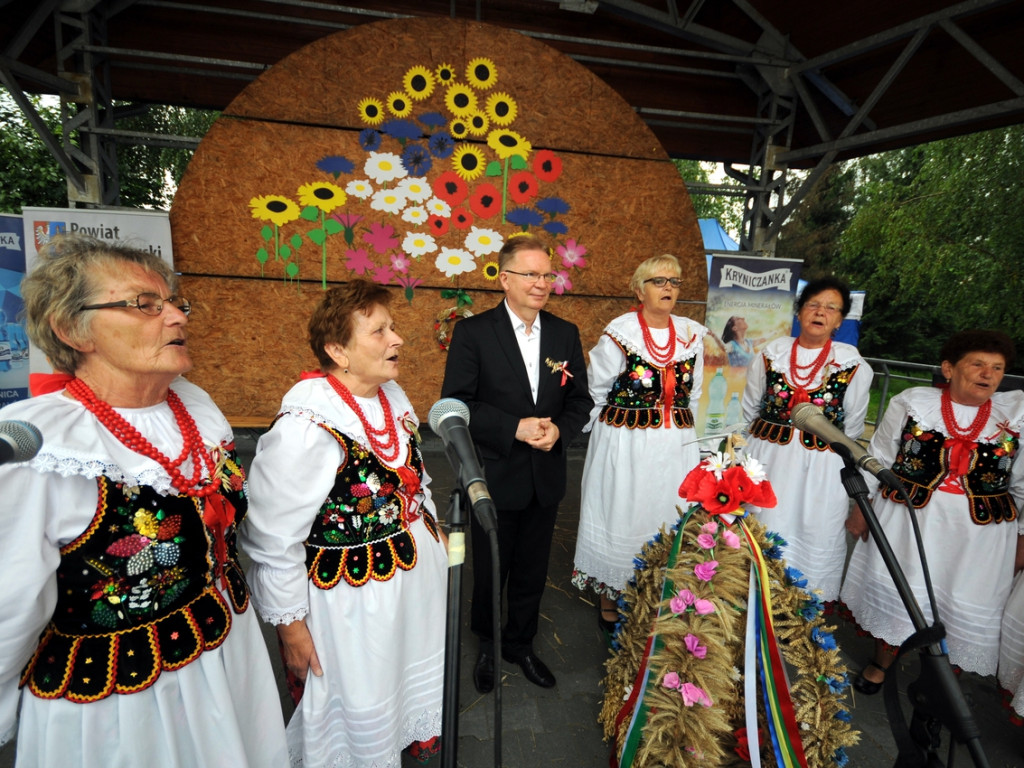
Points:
(295, 140)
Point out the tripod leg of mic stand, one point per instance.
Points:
(453, 633)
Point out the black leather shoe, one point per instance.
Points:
(534, 670)
(483, 672)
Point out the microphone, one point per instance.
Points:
(19, 441)
(449, 419)
(809, 418)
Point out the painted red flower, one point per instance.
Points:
(438, 225)
(485, 201)
(547, 165)
(461, 218)
(522, 187)
(742, 749)
(451, 188)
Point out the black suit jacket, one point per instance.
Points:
(485, 370)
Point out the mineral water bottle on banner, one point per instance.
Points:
(716, 404)
(733, 413)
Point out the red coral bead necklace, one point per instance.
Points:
(660, 354)
(386, 450)
(971, 432)
(797, 371)
(131, 438)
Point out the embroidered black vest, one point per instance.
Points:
(636, 399)
(923, 461)
(362, 529)
(773, 422)
(136, 595)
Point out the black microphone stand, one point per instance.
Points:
(457, 521)
(936, 695)
(453, 629)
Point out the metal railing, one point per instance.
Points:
(887, 371)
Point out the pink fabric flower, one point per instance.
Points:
(703, 607)
(706, 541)
(693, 694)
(710, 526)
(671, 680)
(693, 646)
(679, 604)
(705, 571)
(730, 539)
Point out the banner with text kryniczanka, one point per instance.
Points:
(147, 230)
(750, 302)
(14, 352)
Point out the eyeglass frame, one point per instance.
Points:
(533, 277)
(814, 306)
(186, 309)
(675, 282)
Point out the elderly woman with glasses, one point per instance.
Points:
(812, 504)
(644, 372)
(125, 612)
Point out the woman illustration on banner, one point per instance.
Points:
(349, 563)
(812, 504)
(644, 373)
(955, 449)
(738, 348)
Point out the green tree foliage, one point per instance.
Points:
(812, 233)
(148, 175)
(728, 209)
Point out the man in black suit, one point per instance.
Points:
(522, 374)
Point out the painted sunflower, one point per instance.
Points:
(468, 161)
(371, 111)
(481, 73)
(321, 194)
(478, 123)
(399, 103)
(445, 74)
(460, 100)
(501, 108)
(491, 270)
(274, 208)
(507, 143)
(458, 128)
(419, 82)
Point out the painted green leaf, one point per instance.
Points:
(262, 255)
(493, 168)
(518, 163)
(296, 241)
(291, 269)
(286, 252)
(350, 235)
(310, 213)
(267, 231)
(333, 226)
(317, 236)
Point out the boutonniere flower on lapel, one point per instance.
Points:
(559, 367)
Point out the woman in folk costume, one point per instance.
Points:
(955, 450)
(644, 373)
(349, 563)
(812, 504)
(125, 613)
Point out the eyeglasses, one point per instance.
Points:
(547, 277)
(147, 303)
(814, 306)
(675, 282)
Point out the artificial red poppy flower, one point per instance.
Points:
(522, 187)
(485, 201)
(451, 188)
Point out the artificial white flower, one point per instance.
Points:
(360, 188)
(416, 244)
(415, 189)
(753, 468)
(415, 214)
(482, 241)
(383, 167)
(438, 207)
(387, 200)
(717, 462)
(454, 261)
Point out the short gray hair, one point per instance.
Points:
(64, 280)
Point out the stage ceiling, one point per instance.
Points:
(715, 79)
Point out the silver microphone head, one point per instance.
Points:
(447, 406)
(802, 412)
(24, 438)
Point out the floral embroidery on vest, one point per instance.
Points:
(636, 399)
(135, 592)
(773, 422)
(923, 462)
(362, 529)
